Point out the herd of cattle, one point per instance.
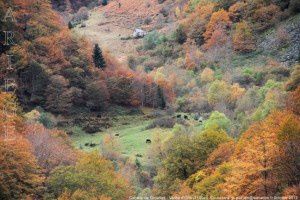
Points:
(195, 117)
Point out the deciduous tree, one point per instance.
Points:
(243, 38)
(20, 175)
(92, 174)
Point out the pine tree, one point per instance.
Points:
(98, 57)
(104, 2)
(70, 25)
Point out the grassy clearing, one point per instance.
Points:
(132, 136)
(131, 131)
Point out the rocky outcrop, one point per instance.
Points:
(283, 41)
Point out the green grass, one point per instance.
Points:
(132, 136)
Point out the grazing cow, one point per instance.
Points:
(117, 135)
(87, 144)
(178, 116)
(186, 117)
(148, 141)
(92, 145)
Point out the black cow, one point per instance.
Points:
(92, 145)
(148, 141)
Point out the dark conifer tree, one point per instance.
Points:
(70, 25)
(104, 2)
(161, 98)
(98, 57)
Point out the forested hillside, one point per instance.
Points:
(151, 99)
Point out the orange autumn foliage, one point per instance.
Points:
(220, 155)
(219, 20)
(184, 191)
(218, 38)
(11, 123)
(256, 167)
(19, 171)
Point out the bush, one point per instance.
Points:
(162, 123)
(165, 50)
(180, 35)
(153, 39)
(48, 120)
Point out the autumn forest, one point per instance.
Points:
(149, 99)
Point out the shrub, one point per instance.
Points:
(162, 123)
(153, 39)
(147, 21)
(165, 50)
(47, 120)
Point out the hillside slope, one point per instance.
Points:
(112, 26)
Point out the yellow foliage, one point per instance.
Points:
(236, 92)
(207, 75)
(11, 122)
